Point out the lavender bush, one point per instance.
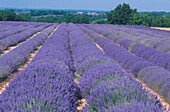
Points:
(46, 84)
(16, 30)
(104, 83)
(19, 37)
(152, 38)
(154, 79)
(12, 60)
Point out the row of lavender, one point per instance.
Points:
(161, 44)
(46, 84)
(159, 40)
(155, 77)
(148, 53)
(4, 25)
(14, 29)
(103, 83)
(11, 61)
(7, 25)
(149, 30)
(155, 38)
(14, 39)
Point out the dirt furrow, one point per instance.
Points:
(6, 81)
(98, 46)
(81, 101)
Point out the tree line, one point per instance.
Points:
(124, 15)
(64, 18)
(7, 15)
(61, 16)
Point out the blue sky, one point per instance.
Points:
(141, 5)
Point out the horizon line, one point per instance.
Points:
(74, 9)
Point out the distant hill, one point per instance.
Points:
(157, 13)
(69, 10)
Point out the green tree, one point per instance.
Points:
(122, 14)
(7, 15)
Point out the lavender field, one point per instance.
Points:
(51, 67)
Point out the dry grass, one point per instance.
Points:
(161, 28)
